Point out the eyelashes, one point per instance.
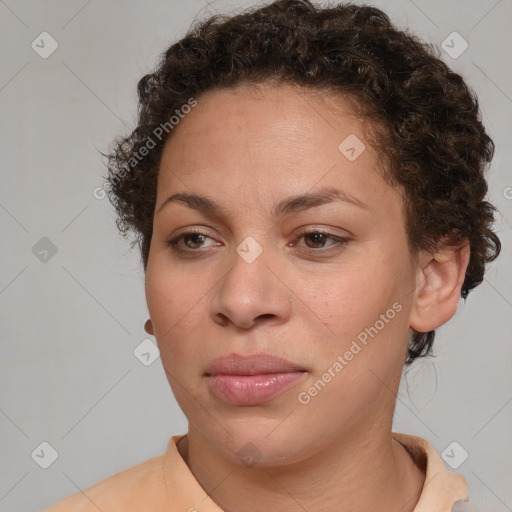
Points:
(173, 243)
(314, 236)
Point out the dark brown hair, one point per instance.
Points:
(433, 141)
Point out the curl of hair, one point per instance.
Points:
(431, 139)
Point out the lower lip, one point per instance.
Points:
(252, 389)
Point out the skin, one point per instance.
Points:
(246, 149)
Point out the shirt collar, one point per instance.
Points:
(442, 488)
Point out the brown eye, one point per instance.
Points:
(189, 242)
(317, 239)
(194, 238)
(314, 242)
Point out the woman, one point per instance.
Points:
(308, 193)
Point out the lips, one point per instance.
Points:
(257, 364)
(251, 380)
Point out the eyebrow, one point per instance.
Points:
(285, 207)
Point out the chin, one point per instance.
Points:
(259, 444)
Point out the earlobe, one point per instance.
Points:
(148, 327)
(439, 283)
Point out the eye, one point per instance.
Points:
(192, 240)
(315, 241)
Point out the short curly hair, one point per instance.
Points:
(433, 142)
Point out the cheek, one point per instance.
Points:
(352, 295)
(367, 299)
(177, 304)
(170, 291)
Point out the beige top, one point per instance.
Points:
(166, 484)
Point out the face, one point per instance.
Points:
(324, 282)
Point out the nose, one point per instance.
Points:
(251, 294)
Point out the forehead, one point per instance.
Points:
(259, 113)
(266, 139)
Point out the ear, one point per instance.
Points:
(438, 285)
(148, 327)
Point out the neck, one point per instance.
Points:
(359, 472)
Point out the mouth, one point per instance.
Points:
(253, 379)
(256, 364)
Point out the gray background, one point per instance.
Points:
(69, 326)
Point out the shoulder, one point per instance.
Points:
(140, 487)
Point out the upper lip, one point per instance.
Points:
(255, 364)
